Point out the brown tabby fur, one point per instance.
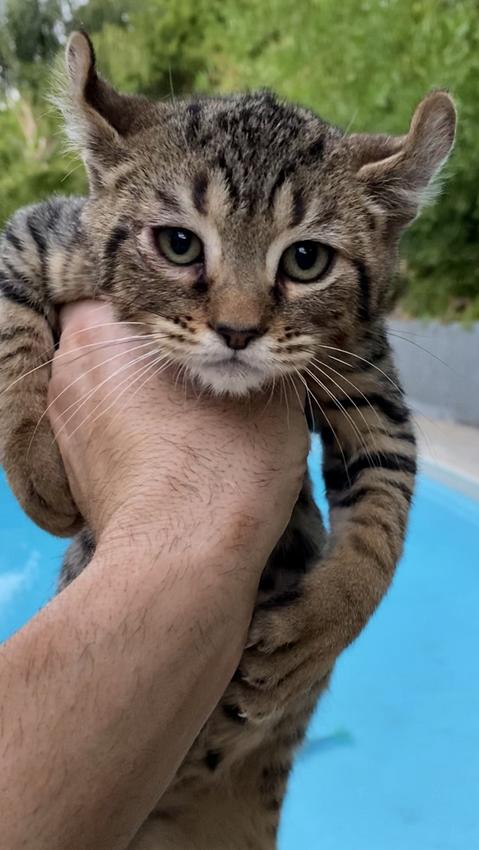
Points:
(250, 175)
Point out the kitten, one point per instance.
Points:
(257, 242)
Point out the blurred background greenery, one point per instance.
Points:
(362, 65)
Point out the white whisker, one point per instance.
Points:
(288, 421)
(137, 377)
(426, 351)
(79, 378)
(364, 360)
(80, 403)
(59, 355)
(271, 394)
(338, 404)
(291, 381)
(351, 384)
(129, 380)
(338, 441)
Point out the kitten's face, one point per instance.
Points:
(242, 261)
(243, 231)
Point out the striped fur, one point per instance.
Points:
(249, 175)
(43, 263)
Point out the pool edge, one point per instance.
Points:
(450, 477)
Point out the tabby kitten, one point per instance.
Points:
(257, 243)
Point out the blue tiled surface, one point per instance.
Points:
(391, 761)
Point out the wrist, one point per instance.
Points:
(230, 543)
(216, 582)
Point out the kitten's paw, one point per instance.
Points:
(265, 688)
(293, 643)
(36, 474)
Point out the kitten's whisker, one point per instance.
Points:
(136, 360)
(158, 362)
(377, 454)
(58, 355)
(426, 350)
(288, 422)
(141, 372)
(170, 76)
(271, 393)
(311, 412)
(338, 404)
(156, 372)
(110, 324)
(81, 403)
(315, 362)
(410, 333)
(98, 346)
(364, 360)
(69, 173)
(177, 376)
(142, 345)
(351, 122)
(182, 375)
(102, 325)
(281, 387)
(129, 380)
(191, 384)
(79, 378)
(393, 383)
(291, 381)
(310, 395)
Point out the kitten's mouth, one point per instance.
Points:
(233, 363)
(229, 374)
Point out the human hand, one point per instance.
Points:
(150, 454)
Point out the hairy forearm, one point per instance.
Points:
(99, 709)
(106, 689)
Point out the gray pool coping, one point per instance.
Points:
(436, 365)
(449, 452)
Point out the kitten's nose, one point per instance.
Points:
(237, 338)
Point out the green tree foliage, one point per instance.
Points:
(164, 45)
(29, 39)
(361, 64)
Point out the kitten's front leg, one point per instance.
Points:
(38, 252)
(369, 470)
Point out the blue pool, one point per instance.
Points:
(391, 761)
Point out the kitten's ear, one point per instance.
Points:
(98, 119)
(399, 171)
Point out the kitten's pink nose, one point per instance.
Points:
(237, 338)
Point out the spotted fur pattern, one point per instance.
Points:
(250, 175)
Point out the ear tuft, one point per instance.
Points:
(79, 61)
(93, 112)
(99, 121)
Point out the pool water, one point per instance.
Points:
(29, 564)
(391, 760)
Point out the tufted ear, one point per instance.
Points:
(399, 171)
(98, 119)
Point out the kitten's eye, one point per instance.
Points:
(306, 262)
(178, 245)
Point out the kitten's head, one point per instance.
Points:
(246, 231)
